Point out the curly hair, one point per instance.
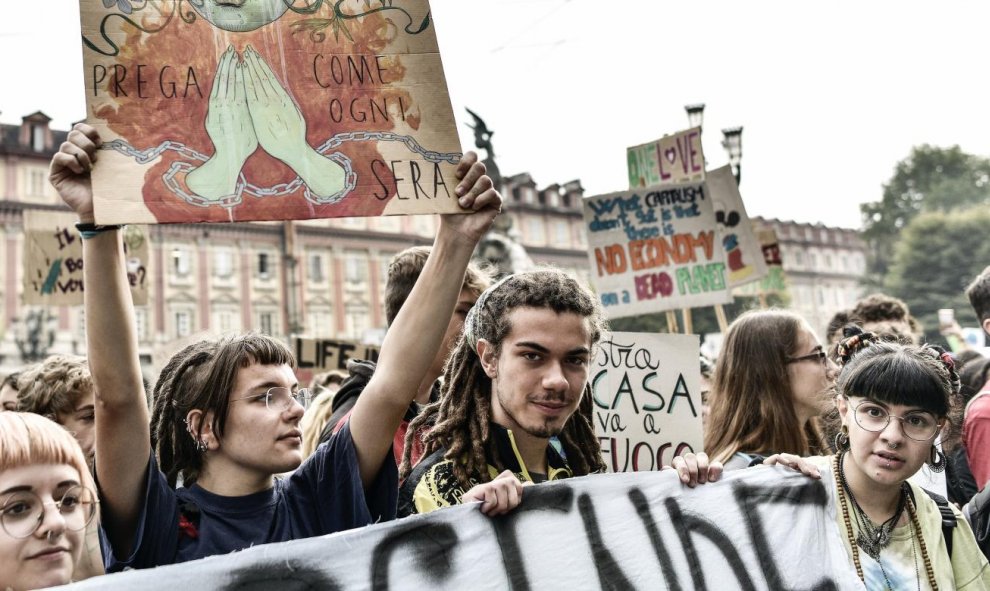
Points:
(54, 387)
(462, 416)
(201, 377)
(888, 317)
(978, 293)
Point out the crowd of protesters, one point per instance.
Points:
(479, 390)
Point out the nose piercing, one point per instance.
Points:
(51, 536)
(893, 445)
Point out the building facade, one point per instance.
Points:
(321, 278)
(824, 266)
(326, 278)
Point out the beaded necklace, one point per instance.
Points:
(839, 475)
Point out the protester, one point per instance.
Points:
(514, 382)
(227, 412)
(976, 422)
(60, 388)
(893, 400)
(887, 317)
(960, 482)
(883, 315)
(322, 388)
(327, 382)
(772, 381)
(46, 502)
(403, 272)
(8, 392)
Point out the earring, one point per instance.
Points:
(936, 460)
(842, 439)
(200, 444)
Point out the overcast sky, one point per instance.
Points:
(831, 94)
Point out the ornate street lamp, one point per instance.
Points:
(696, 114)
(732, 142)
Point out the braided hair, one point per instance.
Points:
(201, 377)
(462, 416)
(914, 375)
(893, 373)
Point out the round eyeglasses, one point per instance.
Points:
(22, 512)
(917, 425)
(280, 398)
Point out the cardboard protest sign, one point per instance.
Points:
(647, 394)
(326, 354)
(776, 280)
(53, 263)
(753, 529)
(743, 251)
(314, 356)
(267, 110)
(655, 249)
(675, 158)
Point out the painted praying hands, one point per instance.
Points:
(250, 107)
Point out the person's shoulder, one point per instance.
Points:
(980, 406)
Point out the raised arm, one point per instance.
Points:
(416, 334)
(122, 423)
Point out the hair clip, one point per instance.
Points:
(849, 346)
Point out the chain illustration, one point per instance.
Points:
(174, 177)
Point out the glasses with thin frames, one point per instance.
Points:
(817, 355)
(280, 398)
(22, 512)
(918, 425)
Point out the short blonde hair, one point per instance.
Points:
(54, 386)
(27, 439)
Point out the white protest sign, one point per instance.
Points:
(647, 395)
(655, 249)
(765, 528)
(743, 251)
(674, 158)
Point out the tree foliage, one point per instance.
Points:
(930, 179)
(937, 256)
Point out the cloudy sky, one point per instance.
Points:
(830, 94)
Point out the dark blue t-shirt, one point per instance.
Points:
(324, 495)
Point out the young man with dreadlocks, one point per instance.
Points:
(517, 379)
(227, 413)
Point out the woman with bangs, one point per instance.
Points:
(200, 480)
(893, 401)
(46, 502)
(772, 382)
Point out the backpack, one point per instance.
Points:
(977, 512)
(948, 516)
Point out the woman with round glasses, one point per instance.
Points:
(46, 502)
(227, 412)
(772, 382)
(893, 402)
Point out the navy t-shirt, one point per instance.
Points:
(324, 495)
